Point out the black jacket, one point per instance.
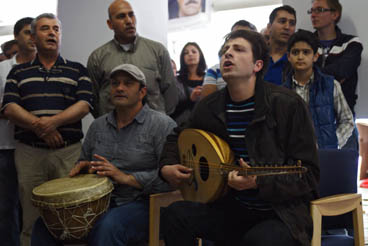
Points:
(342, 62)
(281, 133)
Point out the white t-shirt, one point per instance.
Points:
(6, 127)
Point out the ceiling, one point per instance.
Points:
(219, 5)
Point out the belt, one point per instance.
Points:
(45, 146)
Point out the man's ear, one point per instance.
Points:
(315, 56)
(335, 15)
(258, 66)
(109, 24)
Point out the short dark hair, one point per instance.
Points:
(202, 66)
(7, 46)
(286, 8)
(20, 24)
(245, 24)
(259, 47)
(304, 36)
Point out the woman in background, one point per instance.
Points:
(189, 80)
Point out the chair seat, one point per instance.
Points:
(337, 240)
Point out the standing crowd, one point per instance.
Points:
(274, 97)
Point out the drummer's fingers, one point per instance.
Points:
(101, 158)
(77, 168)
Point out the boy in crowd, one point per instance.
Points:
(332, 117)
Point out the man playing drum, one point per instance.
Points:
(124, 145)
(263, 124)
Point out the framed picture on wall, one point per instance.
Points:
(188, 13)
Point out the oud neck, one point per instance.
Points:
(270, 170)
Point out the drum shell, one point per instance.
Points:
(70, 214)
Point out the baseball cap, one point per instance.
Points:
(134, 71)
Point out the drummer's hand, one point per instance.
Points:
(176, 174)
(79, 166)
(105, 168)
(239, 182)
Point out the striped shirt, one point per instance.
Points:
(238, 117)
(45, 92)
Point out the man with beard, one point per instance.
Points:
(262, 124)
(124, 145)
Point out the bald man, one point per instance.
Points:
(128, 47)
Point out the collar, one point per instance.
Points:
(132, 48)
(296, 83)
(337, 30)
(59, 61)
(261, 102)
(281, 60)
(139, 118)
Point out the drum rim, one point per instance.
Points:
(44, 200)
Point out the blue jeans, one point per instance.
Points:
(9, 204)
(119, 226)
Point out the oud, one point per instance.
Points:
(211, 159)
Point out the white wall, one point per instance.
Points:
(354, 21)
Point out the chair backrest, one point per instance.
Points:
(339, 170)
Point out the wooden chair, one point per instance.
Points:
(338, 187)
(158, 201)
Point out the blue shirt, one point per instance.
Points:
(135, 149)
(275, 69)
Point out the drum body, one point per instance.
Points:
(70, 206)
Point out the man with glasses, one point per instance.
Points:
(340, 54)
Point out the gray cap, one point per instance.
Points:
(134, 71)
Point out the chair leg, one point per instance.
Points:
(317, 225)
(358, 225)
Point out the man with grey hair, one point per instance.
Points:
(46, 99)
(127, 47)
(124, 145)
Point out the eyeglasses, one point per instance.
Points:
(319, 10)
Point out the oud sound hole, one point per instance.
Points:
(203, 168)
(194, 150)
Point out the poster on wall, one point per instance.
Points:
(188, 13)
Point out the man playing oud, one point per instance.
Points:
(263, 124)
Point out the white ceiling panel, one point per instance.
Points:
(219, 5)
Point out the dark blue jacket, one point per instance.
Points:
(321, 107)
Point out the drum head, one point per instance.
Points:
(70, 191)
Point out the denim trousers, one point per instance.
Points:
(119, 226)
(9, 205)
